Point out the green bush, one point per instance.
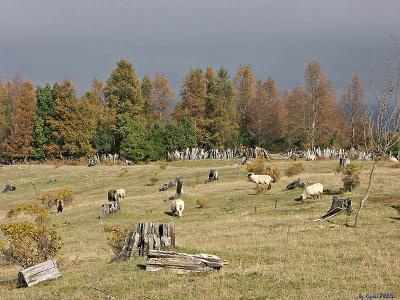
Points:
(351, 178)
(27, 243)
(294, 169)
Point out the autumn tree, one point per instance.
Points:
(18, 144)
(162, 96)
(321, 113)
(104, 115)
(294, 105)
(257, 114)
(245, 83)
(264, 114)
(73, 122)
(221, 112)
(354, 109)
(193, 95)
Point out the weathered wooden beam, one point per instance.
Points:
(41, 272)
(183, 263)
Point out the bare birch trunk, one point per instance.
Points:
(363, 200)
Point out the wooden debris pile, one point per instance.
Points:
(41, 272)
(146, 237)
(183, 263)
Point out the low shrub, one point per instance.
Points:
(27, 243)
(294, 169)
(274, 172)
(258, 165)
(155, 178)
(163, 164)
(202, 203)
(49, 200)
(260, 188)
(116, 237)
(123, 172)
(351, 178)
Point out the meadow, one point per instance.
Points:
(274, 249)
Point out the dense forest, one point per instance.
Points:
(137, 118)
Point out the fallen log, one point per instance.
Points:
(183, 263)
(41, 272)
(146, 237)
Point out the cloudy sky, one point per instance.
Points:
(48, 40)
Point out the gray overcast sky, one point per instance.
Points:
(48, 40)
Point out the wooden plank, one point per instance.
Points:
(183, 262)
(41, 272)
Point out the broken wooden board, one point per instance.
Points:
(183, 263)
(145, 237)
(38, 273)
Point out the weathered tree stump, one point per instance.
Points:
(109, 208)
(183, 263)
(145, 237)
(41, 272)
(338, 205)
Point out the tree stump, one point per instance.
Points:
(183, 263)
(41, 272)
(109, 208)
(145, 237)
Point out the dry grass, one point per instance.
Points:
(274, 253)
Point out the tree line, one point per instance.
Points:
(141, 120)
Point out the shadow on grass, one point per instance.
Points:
(168, 213)
(395, 218)
(8, 283)
(141, 266)
(332, 192)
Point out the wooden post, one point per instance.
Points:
(41, 272)
(145, 237)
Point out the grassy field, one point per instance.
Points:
(273, 253)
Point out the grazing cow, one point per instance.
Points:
(213, 175)
(113, 195)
